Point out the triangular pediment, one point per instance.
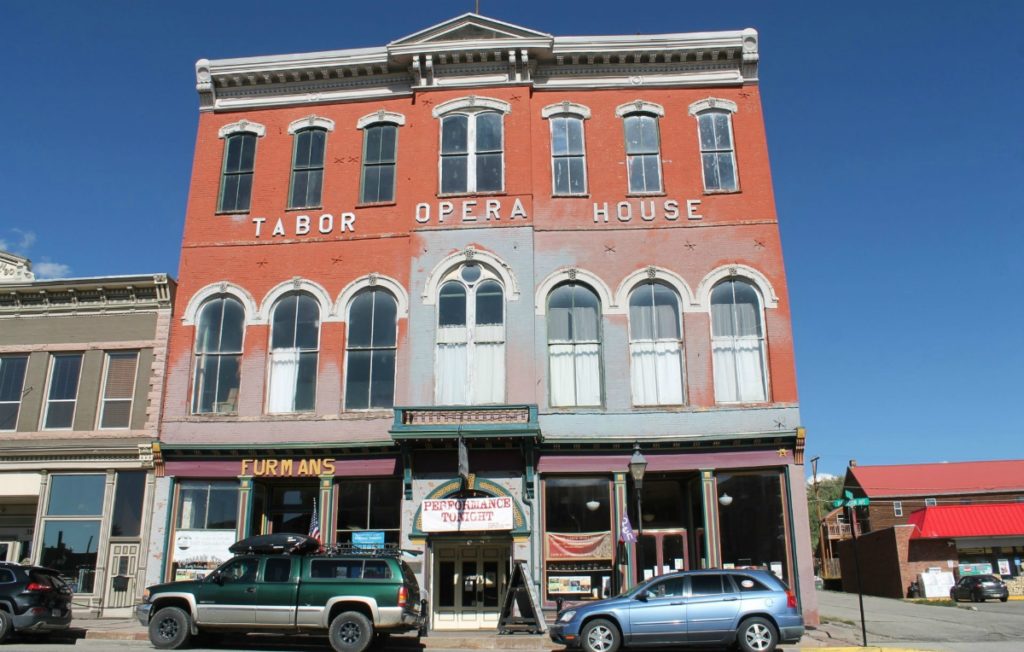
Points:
(469, 27)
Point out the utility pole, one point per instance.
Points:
(817, 509)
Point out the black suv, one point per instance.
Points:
(32, 599)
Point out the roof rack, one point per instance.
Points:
(349, 549)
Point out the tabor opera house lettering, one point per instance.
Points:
(467, 514)
(288, 468)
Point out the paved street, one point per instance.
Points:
(992, 627)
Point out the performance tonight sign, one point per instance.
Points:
(467, 514)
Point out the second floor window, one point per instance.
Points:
(470, 362)
(62, 391)
(716, 150)
(307, 168)
(12, 385)
(119, 389)
(655, 345)
(574, 346)
(294, 350)
(236, 175)
(472, 152)
(370, 351)
(643, 153)
(737, 343)
(568, 156)
(380, 145)
(218, 356)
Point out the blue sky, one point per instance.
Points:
(896, 139)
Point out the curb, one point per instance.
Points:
(106, 635)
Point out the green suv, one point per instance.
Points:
(287, 584)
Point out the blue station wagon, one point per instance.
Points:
(750, 608)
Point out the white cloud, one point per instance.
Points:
(822, 477)
(28, 238)
(47, 269)
(4, 246)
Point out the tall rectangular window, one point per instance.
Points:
(308, 168)
(71, 528)
(118, 389)
(716, 151)
(643, 153)
(236, 175)
(568, 156)
(12, 384)
(62, 392)
(126, 518)
(380, 145)
(206, 505)
(472, 153)
(897, 508)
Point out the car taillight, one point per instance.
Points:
(790, 599)
(403, 596)
(36, 586)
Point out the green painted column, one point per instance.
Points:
(712, 539)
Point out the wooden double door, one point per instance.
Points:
(469, 582)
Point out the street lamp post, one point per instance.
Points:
(637, 468)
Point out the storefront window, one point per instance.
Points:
(70, 538)
(753, 526)
(369, 506)
(127, 516)
(206, 519)
(579, 547)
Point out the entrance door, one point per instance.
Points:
(123, 567)
(660, 552)
(469, 582)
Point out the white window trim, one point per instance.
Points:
(703, 294)
(297, 284)
(46, 394)
(931, 502)
(897, 508)
(576, 279)
(103, 390)
(382, 116)
(687, 302)
(195, 354)
(765, 368)
(575, 275)
(344, 302)
(198, 299)
(470, 104)
(567, 110)
(711, 104)
(242, 126)
(639, 106)
(310, 122)
(22, 395)
(502, 269)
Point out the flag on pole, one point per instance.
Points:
(314, 523)
(626, 533)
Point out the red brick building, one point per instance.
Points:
(557, 250)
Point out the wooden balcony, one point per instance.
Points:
(841, 530)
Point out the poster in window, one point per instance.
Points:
(200, 551)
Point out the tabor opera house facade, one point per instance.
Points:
(560, 251)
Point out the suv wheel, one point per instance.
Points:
(170, 629)
(600, 636)
(756, 635)
(6, 625)
(351, 631)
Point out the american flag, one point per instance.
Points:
(314, 523)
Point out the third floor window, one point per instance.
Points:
(472, 152)
(236, 174)
(307, 168)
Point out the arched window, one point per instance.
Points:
(294, 347)
(655, 345)
(574, 345)
(308, 168)
(370, 350)
(737, 343)
(470, 338)
(218, 356)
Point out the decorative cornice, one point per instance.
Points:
(15, 269)
(473, 51)
(83, 295)
(312, 121)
